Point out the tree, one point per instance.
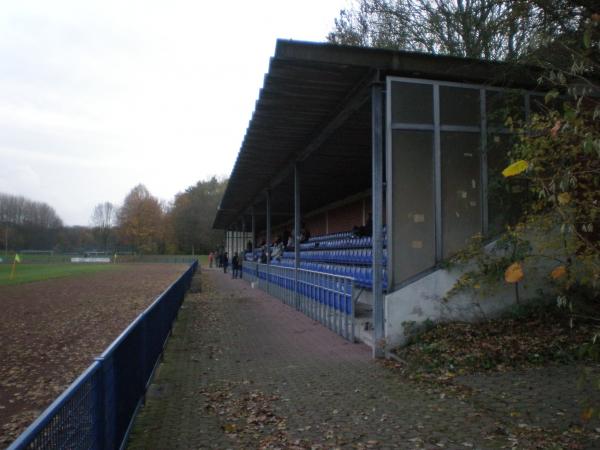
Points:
(192, 215)
(557, 159)
(488, 29)
(103, 220)
(27, 224)
(140, 221)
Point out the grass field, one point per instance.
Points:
(26, 273)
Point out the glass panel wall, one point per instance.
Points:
(413, 207)
(412, 103)
(459, 106)
(461, 193)
(445, 142)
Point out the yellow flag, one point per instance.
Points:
(17, 258)
(515, 168)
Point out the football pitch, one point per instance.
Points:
(27, 273)
(52, 329)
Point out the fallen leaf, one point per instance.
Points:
(558, 272)
(515, 168)
(514, 273)
(564, 198)
(555, 129)
(587, 414)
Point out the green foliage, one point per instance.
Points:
(192, 215)
(559, 146)
(489, 261)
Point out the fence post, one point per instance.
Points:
(353, 300)
(100, 399)
(106, 404)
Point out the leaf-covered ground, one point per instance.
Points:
(532, 337)
(535, 365)
(243, 370)
(51, 331)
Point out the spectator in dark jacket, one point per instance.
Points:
(235, 266)
(225, 262)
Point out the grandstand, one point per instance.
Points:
(417, 141)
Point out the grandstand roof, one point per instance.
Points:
(315, 97)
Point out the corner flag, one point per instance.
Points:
(14, 265)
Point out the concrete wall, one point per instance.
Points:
(424, 300)
(317, 224)
(346, 217)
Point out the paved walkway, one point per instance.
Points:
(242, 370)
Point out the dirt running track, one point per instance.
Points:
(50, 331)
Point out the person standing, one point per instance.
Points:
(225, 261)
(235, 266)
(211, 256)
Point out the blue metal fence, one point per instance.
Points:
(326, 298)
(97, 410)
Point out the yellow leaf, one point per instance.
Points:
(564, 198)
(229, 428)
(558, 272)
(587, 414)
(555, 129)
(515, 168)
(514, 273)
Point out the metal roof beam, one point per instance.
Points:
(349, 105)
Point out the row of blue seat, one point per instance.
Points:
(354, 256)
(323, 290)
(327, 237)
(339, 235)
(344, 243)
(363, 276)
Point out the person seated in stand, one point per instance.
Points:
(263, 256)
(277, 251)
(304, 234)
(365, 230)
(290, 243)
(286, 236)
(369, 226)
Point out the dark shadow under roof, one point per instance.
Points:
(314, 107)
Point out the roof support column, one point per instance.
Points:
(253, 225)
(233, 242)
(377, 208)
(296, 232)
(243, 250)
(268, 199)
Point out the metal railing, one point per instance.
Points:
(97, 410)
(326, 298)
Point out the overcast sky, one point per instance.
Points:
(98, 96)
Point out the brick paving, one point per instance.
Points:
(243, 370)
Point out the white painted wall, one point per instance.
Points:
(424, 299)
